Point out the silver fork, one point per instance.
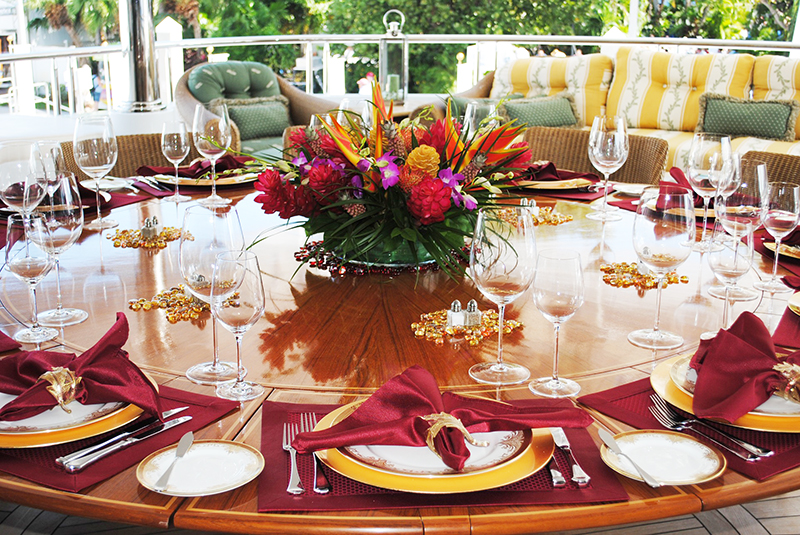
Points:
(667, 420)
(308, 420)
(295, 485)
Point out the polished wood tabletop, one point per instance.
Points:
(333, 339)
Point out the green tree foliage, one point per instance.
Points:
(93, 18)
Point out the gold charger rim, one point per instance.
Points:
(532, 459)
(794, 303)
(244, 178)
(569, 184)
(786, 250)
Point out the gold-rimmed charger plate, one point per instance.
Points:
(786, 250)
(222, 180)
(575, 183)
(794, 303)
(662, 383)
(533, 457)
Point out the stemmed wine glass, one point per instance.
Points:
(502, 265)
(608, 151)
(780, 217)
(730, 259)
(558, 293)
(207, 232)
(237, 298)
(212, 137)
(94, 146)
(710, 169)
(64, 220)
(478, 115)
(737, 210)
(175, 147)
(663, 233)
(23, 180)
(29, 262)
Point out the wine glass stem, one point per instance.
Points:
(59, 306)
(97, 196)
(215, 360)
(775, 263)
(556, 329)
(706, 201)
(726, 307)
(214, 177)
(501, 312)
(176, 179)
(35, 315)
(657, 323)
(605, 192)
(240, 370)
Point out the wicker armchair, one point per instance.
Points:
(567, 148)
(780, 167)
(134, 151)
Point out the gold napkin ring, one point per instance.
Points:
(440, 421)
(63, 385)
(791, 389)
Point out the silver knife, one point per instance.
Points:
(146, 423)
(608, 440)
(578, 475)
(555, 475)
(86, 460)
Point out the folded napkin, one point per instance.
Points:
(792, 281)
(105, 371)
(394, 416)
(7, 343)
(548, 171)
(199, 168)
(681, 179)
(793, 238)
(735, 370)
(787, 333)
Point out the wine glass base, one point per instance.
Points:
(554, 388)
(492, 373)
(208, 374)
(735, 293)
(101, 224)
(650, 339)
(214, 201)
(773, 286)
(62, 318)
(177, 198)
(35, 336)
(604, 215)
(239, 391)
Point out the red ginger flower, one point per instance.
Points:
(297, 138)
(429, 200)
(436, 136)
(324, 180)
(282, 197)
(523, 160)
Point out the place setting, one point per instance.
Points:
(543, 178)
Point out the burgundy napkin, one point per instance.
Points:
(107, 376)
(681, 179)
(787, 333)
(7, 343)
(792, 281)
(793, 238)
(198, 168)
(548, 171)
(786, 262)
(734, 370)
(392, 416)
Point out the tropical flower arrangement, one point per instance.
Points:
(394, 193)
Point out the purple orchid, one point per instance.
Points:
(390, 173)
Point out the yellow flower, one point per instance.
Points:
(424, 158)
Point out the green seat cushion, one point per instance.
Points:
(766, 119)
(232, 79)
(555, 110)
(458, 105)
(258, 117)
(268, 148)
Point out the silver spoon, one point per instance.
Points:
(183, 446)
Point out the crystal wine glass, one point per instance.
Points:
(237, 298)
(64, 220)
(737, 210)
(212, 137)
(558, 293)
(23, 180)
(478, 115)
(207, 232)
(663, 234)
(95, 149)
(502, 265)
(780, 217)
(608, 151)
(29, 263)
(730, 259)
(175, 147)
(710, 168)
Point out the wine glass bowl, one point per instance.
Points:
(95, 149)
(730, 259)
(709, 170)
(212, 137)
(608, 151)
(780, 216)
(23, 179)
(175, 148)
(502, 266)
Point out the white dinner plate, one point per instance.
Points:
(209, 467)
(794, 303)
(223, 179)
(56, 418)
(630, 190)
(671, 458)
(685, 378)
(107, 183)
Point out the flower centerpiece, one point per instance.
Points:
(395, 193)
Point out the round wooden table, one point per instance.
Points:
(326, 339)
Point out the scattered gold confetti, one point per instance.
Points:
(133, 238)
(627, 275)
(433, 327)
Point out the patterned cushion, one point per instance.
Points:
(586, 77)
(259, 117)
(558, 110)
(662, 91)
(232, 79)
(767, 119)
(776, 77)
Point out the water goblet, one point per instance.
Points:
(479, 115)
(64, 220)
(558, 293)
(780, 216)
(205, 233)
(94, 146)
(663, 234)
(175, 147)
(730, 259)
(710, 168)
(29, 262)
(237, 298)
(212, 137)
(23, 180)
(502, 266)
(608, 151)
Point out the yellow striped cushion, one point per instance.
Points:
(776, 77)
(661, 90)
(587, 78)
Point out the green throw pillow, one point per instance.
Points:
(458, 105)
(259, 117)
(555, 110)
(766, 119)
